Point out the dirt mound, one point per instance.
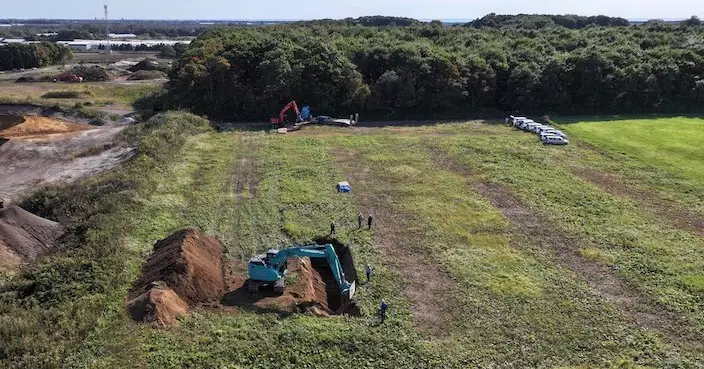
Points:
(160, 305)
(305, 292)
(33, 126)
(189, 263)
(25, 236)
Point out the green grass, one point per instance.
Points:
(509, 302)
(670, 144)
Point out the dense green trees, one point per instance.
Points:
(423, 70)
(18, 56)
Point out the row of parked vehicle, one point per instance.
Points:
(548, 135)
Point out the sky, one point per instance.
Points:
(314, 9)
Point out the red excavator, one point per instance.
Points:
(281, 120)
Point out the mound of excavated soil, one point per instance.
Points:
(189, 263)
(25, 236)
(159, 305)
(33, 126)
(305, 291)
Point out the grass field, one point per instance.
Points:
(492, 250)
(670, 144)
(119, 95)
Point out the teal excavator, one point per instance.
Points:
(270, 268)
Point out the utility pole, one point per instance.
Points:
(107, 30)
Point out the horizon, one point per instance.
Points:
(280, 10)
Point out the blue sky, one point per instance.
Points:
(310, 9)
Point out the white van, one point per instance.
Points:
(554, 132)
(553, 140)
(527, 126)
(544, 128)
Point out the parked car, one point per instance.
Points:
(516, 120)
(542, 129)
(538, 128)
(553, 140)
(526, 126)
(554, 132)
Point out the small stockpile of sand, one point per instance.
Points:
(25, 236)
(33, 126)
(184, 269)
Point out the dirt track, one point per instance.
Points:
(30, 161)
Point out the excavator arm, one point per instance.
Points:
(271, 268)
(282, 114)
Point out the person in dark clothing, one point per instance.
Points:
(382, 310)
(360, 219)
(368, 272)
(369, 221)
(332, 227)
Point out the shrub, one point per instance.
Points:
(67, 94)
(146, 75)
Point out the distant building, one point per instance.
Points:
(5, 41)
(122, 35)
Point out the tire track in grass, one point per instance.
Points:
(430, 290)
(651, 201)
(601, 278)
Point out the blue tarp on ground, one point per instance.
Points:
(343, 187)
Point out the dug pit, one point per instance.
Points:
(310, 287)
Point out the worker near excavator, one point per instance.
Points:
(368, 272)
(369, 221)
(332, 227)
(360, 219)
(382, 310)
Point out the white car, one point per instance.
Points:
(527, 126)
(522, 121)
(554, 132)
(538, 129)
(543, 128)
(516, 120)
(553, 140)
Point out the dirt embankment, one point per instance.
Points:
(184, 270)
(25, 236)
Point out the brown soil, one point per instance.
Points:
(34, 126)
(189, 262)
(652, 202)
(305, 292)
(160, 305)
(25, 236)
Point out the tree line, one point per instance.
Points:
(22, 56)
(427, 70)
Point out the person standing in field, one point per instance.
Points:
(369, 222)
(368, 272)
(360, 219)
(382, 310)
(332, 228)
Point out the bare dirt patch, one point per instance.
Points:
(27, 163)
(430, 290)
(25, 236)
(33, 126)
(652, 202)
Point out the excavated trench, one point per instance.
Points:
(310, 287)
(335, 301)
